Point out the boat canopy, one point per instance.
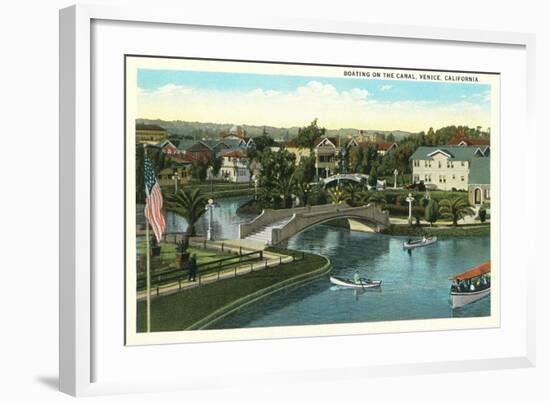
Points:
(476, 271)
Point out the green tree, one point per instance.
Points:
(199, 170)
(216, 164)
(355, 159)
(455, 208)
(308, 135)
(336, 195)
(189, 204)
(377, 199)
(275, 166)
(373, 175)
(284, 189)
(390, 138)
(305, 172)
(351, 192)
(431, 212)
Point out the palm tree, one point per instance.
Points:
(351, 192)
(337, 196)
(190, 205)
(284, 188)
(455, 208)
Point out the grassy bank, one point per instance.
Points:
(447, 231)
(180, 310)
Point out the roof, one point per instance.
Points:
(185, 144)
(466, 153)
(386, 145)
(480, 171)
(149, 127)
(235, 153)
(470, 141)
(198, 147)
(475, 272)
(334, 140)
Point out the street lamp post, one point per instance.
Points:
(410, 199)
(209, 208)
(395, 173)
(326, 172)
(176, 178)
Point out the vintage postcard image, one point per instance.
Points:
(266, 199)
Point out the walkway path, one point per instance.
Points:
(271, 259)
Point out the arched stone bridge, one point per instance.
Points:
(343, 177)
(274, 226)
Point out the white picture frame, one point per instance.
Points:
(79, 343)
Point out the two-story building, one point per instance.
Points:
(235, 166)
(458, 167)
(326, 156)
(150, 134)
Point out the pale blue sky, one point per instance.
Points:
(399, 91)
(288, 100)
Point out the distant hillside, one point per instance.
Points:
(213, 130)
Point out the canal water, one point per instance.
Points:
(414, 286)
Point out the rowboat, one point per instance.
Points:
(418, 243)
(471, 285)
(365, 282)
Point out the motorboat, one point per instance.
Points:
(419, 243)
(471, 285)
(364, 282)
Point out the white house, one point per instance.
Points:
(235, 166)
(455, 167)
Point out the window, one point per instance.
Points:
(487, 193)
(416, 178)
(442, 179)
(454, 177)
(439, 164)
(462, 163)
(416, 163)
(462, 178)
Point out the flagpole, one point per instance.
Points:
(148, 250)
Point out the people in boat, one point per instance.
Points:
(356, 278)
(424, 239)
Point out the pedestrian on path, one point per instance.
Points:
(192, 268)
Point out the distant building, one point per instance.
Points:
(457, 167)
(365, 136)
(168, 176)
(298, 152)
(236, 131)
(326, 156)
(168, 148)
(463, 141)
(150, 134)
(235, 166)
(382, 147)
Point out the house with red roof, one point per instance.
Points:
(235, 166)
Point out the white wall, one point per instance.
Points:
(29, 82)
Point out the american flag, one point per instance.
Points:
(153, 207)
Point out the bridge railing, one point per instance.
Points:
(302, 221)
(270, 216)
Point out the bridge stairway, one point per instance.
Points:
(263, 235)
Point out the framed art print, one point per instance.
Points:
(359, 215)
(313, 186)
